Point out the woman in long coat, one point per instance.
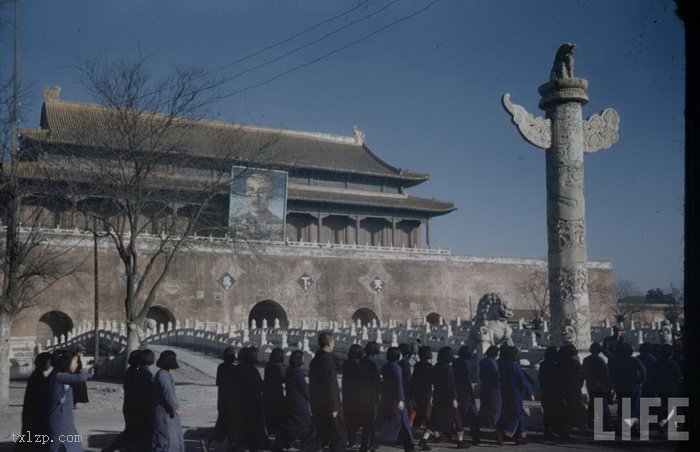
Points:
(393, 423)
(465, 392)
(251, 415)
(551, 393)
(144, 393)
(352, 387)
(273, 391)
(368, 395)
(422, 386)
(33, 415)
(60, 401)
(223, 429)
(167, 427)
(571, 380)
(514, 385)
(297, 415)
(127, 438)
(490, 390)
(444, 417)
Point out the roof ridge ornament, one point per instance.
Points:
(358, 135)
(51, 93)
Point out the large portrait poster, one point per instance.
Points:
(257, 204)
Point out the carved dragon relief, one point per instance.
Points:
(573, 279)
(601, 131)
(536, 130)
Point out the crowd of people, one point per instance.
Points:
(394, 403)
(611, 374)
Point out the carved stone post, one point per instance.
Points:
(566, 137)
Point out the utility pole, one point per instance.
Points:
(15, 81)
(97, 298)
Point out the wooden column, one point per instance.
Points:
(427, 232)
(320, 227)
(393, 231)
(173, 225)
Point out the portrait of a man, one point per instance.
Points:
(257, 204)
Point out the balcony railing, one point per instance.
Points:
(227, 239)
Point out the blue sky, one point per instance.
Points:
(427, 94)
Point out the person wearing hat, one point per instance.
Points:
(610, 343)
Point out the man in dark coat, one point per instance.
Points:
(352, 387)
(444, 418)
(326, 409)
(392, 422)
(669, 378)
(610, 343)
(367, 395)
(595, 371)
(465, 392)
(628, 375)
(571, 381)
(551, 391)
(649, 388)
(273, 391)
(405, 365)
(297, 422)
(422, 386)
(35, 396)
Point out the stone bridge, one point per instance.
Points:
(213, 337)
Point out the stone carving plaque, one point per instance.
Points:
(377, 284)
(226, 281)
(573, 279)
(570, 233)
(305, 282)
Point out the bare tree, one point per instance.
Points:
(618, 299)
(673, 311)
(141, 185)
(536, 289)
(30, 263)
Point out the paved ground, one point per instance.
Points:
(101, 420)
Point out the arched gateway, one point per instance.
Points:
(268, 310)
(52, 324)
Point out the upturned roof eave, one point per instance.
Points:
(410, 179)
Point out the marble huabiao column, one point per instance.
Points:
(566, 137)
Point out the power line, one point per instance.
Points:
(284, 41)
(327, 35)
(339, 49)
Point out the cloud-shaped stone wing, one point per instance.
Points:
(601, 131)
(536, 130)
